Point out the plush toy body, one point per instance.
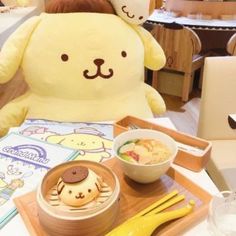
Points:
(91, 72)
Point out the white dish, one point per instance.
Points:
(145, 173)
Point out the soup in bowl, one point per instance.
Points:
(144, 154)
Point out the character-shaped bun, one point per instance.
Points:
(134, 11)
(77, 186)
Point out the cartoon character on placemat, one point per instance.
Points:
(8, 189)
(2, 181)
(11, 170)
(89, 141)
(95, 72)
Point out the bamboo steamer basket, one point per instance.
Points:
(96, 220)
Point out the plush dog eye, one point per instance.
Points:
(140, 18)
(64, 57)
(123, 54)
(70, 192)
(89, 190)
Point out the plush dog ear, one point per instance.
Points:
(13, 49)
(154, 55)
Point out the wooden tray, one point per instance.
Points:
(189, 160)
(135, 197)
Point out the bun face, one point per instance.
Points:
(78, 186)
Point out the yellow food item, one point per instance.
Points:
(78, 186)
(145, 225)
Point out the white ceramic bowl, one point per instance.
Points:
(139, 172)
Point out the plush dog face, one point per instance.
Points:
(83, 56)
(134, 11)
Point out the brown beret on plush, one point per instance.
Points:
(66, 6)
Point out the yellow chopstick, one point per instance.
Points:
(167, 204)
(156, 204)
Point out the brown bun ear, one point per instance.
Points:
(67, 6)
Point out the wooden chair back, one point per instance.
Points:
(179, 44)
(231, 45)
(158, 4)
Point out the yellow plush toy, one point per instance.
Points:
(134, 11)
(84, 66)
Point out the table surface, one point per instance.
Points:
(159, 16)
(197, 177)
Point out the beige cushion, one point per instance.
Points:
(222, 165)
(217, 102)
(218, 98)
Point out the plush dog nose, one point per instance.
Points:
(98, 62)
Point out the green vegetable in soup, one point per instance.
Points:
(131, 141)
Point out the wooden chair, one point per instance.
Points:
(158, 4)
(231, 45)
(182, 47)
(217, 102)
